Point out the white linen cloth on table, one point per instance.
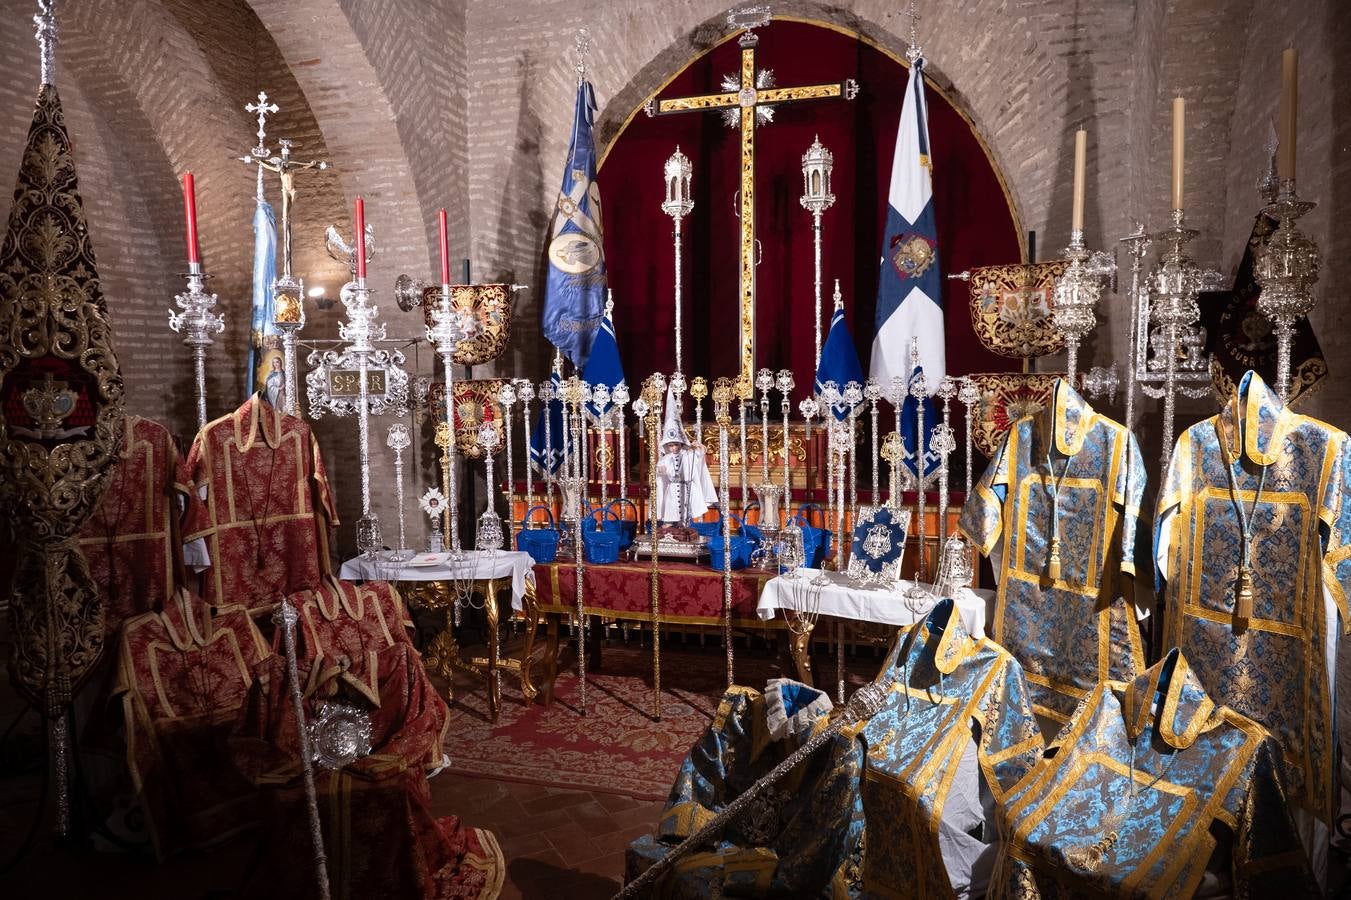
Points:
(478, 565)
(883, 604)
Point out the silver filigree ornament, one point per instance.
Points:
(1286, 267)
(339, 735)
(490, 534)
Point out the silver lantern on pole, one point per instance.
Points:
(677, 174)
(817, 164)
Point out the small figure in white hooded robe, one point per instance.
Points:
(684, 486)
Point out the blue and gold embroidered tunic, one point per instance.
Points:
(1272, 657)
(1057, 511)
(799, 838)
(957, 711)
(1130, 803)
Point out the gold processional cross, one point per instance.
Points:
(743, 101)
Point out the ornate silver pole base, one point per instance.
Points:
(59, 738)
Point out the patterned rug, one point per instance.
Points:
(617, 747)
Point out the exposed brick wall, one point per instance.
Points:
(419, 104)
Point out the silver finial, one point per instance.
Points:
(262, 108)
(914, 51)
(45, 21)
(581, 48)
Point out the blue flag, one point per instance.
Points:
(264, 273)
(604, 366)
(909, 291)
(839, 359)
(546, 457)
(574, 288)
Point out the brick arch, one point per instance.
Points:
(344, 90)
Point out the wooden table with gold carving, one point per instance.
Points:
(435, 580)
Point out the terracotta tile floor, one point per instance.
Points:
(558, 843)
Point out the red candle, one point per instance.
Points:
(190, 207)
(445, 247)
(361, 239)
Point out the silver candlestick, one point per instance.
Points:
(399, 438)
(526, 392)
(507, 396)
(853, 399)
(970, 397)
(1286, 268)
(197, 322)
(808, 407)
(361, 331)
(620, 397)
(489, 535)
(1173, 286)
(678, 203)
(828, 398)
(600, 399)
(698, 391)
(1076, 300)
(784, 382)
(817, 164)
(944, 442)
(872, 392)
(919, 389)
(764, 380)
(547, 396)
(449, 327)
(1137, 246)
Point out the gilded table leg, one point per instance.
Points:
(531, 613)
(799, 645)
(494, 672)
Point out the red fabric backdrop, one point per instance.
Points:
(976, 224)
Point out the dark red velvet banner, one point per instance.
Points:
(976, 224)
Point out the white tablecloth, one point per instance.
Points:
(478, 565)
(883, 604)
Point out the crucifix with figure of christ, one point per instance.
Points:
(745, 99)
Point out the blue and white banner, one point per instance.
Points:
(574, 288)
(839, 361)
(604, 366)
(909, 297)
(264, 273)
(546, 456)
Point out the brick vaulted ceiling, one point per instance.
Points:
(466, 104)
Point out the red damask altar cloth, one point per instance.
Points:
(131, 541)
(183, 677)
(267, 508)
(689, 594)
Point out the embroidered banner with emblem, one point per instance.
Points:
(574, 288)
